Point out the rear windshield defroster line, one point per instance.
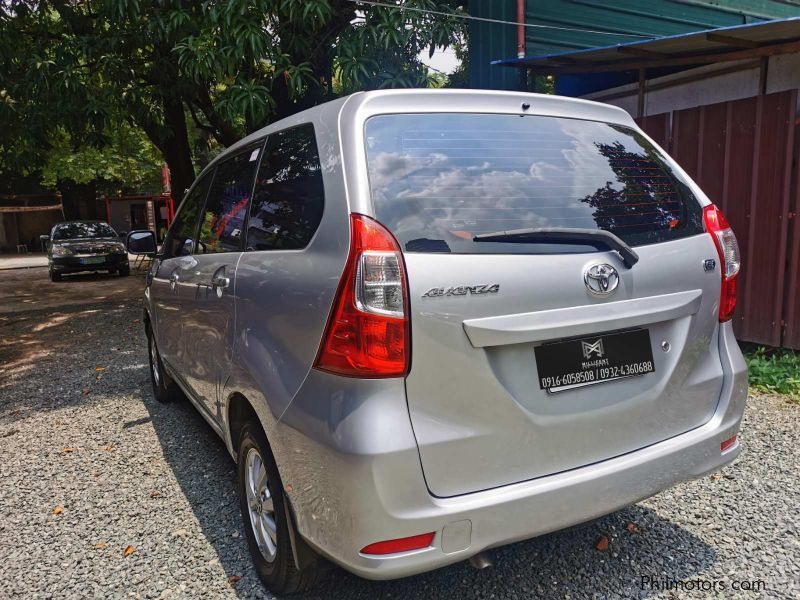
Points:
(439, 180)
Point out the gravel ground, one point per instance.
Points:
(93, 466)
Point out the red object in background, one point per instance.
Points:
(166, 187)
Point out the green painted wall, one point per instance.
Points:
(492, 42)
(653, 18)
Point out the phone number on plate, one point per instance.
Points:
(597, 374)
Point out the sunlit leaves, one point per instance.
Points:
(382, 49)
(200, 59)
(246, 97)
(127, 159)
(229, 66)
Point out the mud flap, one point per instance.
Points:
(304, 555)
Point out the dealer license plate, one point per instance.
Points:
(594, 359)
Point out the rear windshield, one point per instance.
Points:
(437, 180)
(73, 231)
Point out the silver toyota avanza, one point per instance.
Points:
(427, 323)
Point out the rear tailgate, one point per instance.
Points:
(479, 414)
(484, 411)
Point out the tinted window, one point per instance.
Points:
(222, 223)
(289, 195)
(72, 231)
(437, 180)
(180, 240)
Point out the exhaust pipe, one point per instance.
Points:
(481, 561)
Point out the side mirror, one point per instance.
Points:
(141, 242)
(44, 241)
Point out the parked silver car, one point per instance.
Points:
(427, 323)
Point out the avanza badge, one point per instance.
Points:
(462, 290)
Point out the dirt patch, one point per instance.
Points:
(40, 318)
(29, 289)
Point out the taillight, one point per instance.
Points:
(367, 334)
(730, 261)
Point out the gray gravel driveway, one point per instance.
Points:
(92, 466)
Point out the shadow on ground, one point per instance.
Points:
(46, 325)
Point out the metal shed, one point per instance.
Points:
(738, 142)
(559, 26)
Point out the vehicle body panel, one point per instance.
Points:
(467, 445)
(480, 417)
(284, 296)
(208, 313)
(356, 477)
(478, 414)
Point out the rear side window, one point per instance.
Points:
(289, 196)
(180, 240)
(437, 180)
(222, 225)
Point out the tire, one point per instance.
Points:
(54, 276)
(124, 271)
(164, 388)
(275, 562)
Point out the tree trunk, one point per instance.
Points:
(177, 152)
(172, 140)
(79, 200)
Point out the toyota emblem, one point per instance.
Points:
(601, 279)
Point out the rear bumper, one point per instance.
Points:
(73, 264)
(354, 477)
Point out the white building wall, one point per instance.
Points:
(783, 73)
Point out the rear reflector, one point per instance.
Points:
(728, 249)
(415, 542)
(727, 444)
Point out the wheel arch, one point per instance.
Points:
(239, 412)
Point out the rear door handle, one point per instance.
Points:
(173, 280)
(220, 282)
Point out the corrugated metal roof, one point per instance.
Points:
(701, 47)
(649, 19)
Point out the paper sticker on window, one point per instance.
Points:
(253, 155)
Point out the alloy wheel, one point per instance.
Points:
(260, 505)
(154, 361)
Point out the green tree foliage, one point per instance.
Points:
(232, 66)
(127, 162)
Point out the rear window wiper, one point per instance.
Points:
(597, 238)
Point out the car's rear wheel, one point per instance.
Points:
(164, 388)
(124, 271)
(265, 516)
